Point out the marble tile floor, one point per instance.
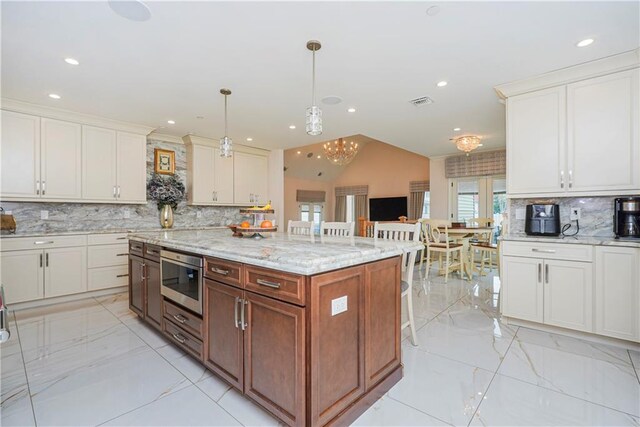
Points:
(92, 362)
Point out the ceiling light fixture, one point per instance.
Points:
(433, 10)
(298, 152)
(171, 122)
(133, 10)
(292, 126)
(314, 113)
(226, 144)
(319, 156)
(339, 152)
(351, 110)
(467, 143)
(249, 139)
(442, 83)
(456, 129)
(54, 96)
(71, 61)
(585, 42)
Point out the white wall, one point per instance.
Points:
(439, 191)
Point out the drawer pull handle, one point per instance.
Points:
(43, 242)
(122, 275)
(152, 252)
(220, 271)
(121, 238)
(274, 285)
(180, 318)
(122, 254)
(546, 251)
(180, 338)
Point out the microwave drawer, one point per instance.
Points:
(559, 251)
(223, 271)
(183, 318)
(183, 339)
(276, 284)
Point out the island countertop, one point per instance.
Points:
(280, 251)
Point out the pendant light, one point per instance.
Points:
(226, 144)
(314, 113)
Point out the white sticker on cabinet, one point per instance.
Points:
(338, 305)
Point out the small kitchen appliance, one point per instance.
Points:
(181, 279)
(626, 217)
(542, 220)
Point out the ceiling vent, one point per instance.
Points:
(423, 100)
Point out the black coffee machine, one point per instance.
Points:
(542, 220)
(626, 217)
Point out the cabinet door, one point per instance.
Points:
(536, 142)
(223, 351)
(20, 147)
(131, 167)
(153, 308)
(202, 176)
(65, 271)
(522, 289)
(136, 285)
(617, 292)
(22, 275)
(568, 294)
(250, 178)
(223, 178)
(98, 163)
(274, 356)
(61, 162)
(603, 140)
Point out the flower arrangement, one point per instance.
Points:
(166, 190)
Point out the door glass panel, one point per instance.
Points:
(468, 200)
(317, 218)
(499, 204)
(426, 205)
(304, 212)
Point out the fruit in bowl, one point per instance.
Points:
(245, 224)
(266, 224)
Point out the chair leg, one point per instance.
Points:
(473, 260)
(412, 323)
(446, 269)
(484, 257)
(421, 258)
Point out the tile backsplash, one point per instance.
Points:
(596, 214)
(96, 216)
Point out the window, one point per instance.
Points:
(468, 200)
(351, 208)
(425, 206)
(312, 212)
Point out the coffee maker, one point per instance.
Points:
(626, 217)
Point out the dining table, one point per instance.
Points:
(464, 235)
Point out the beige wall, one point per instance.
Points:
(439, 190)
(291, 184)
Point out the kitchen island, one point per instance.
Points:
(308, 328)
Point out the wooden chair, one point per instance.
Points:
(342, 229)
(304, 228)
(403, 232)
(483, 243)
(435, 234)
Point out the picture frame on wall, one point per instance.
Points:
(164, 161)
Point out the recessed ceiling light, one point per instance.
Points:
(351, 110)
(585, 42)
(331, 100)
(71, 61)
(292, 126)
(298, 152)
(54, 96)
(456, 129)
(443, 83)
(133, 10)
(249, 139)
(171, 122)
(319, 156)
(433, 10)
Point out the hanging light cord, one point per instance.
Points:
(225, 115)
(313, 79)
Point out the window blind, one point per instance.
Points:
(418, 186)
(310, 196)
(354, 190)
(478, 164)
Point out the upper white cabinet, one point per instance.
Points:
(20, 149)
(250, 178)
(99, 163)
(223, 177)
(60, 159)
(602, 133)
(131, 163)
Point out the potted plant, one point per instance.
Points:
(167, 192)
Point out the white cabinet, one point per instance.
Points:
(114, 165)
(20, 148)
(60, 160)
(250, 177)
(65, 271)
(22, 275)
(536, 142)
(602, 133)
(200, 174)
(223, 178)
(568, 299)
(522, 291)
(617, 292)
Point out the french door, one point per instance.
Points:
(478, 197)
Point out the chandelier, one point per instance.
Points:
(226, 144)
(340, 152)
(467, 143)
(314, 113)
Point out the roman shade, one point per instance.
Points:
(477, 164)
(354, 190)
(310, 196)
(418, 186)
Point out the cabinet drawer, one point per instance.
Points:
(275, 284)
(152, 252)
(108, 255)
(44, 242)
(560, 251)
(223, 271)
(108, 277)
(182, 339)
(136, 248)
(187, 321)
(106, 238)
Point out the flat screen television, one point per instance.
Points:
(387, 208)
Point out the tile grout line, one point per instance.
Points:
(419, 410)
(24, 367)
(633, 365)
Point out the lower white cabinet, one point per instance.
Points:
(568, 294)
(65, 271)
(22, 275)
(522, 292)
(108, 265)
(617, 292)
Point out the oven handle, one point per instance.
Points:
(182, 264)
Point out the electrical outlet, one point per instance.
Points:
(198, 214)
(520, 213)
(44, 214)
(126, 213)
(575, 214)
(338, 305)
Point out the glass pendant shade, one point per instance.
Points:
(226, 147)
(314, 120)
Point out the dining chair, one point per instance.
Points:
(435, 234)
(304, 228)
(403, 232)
(342, 229)
(483, 243)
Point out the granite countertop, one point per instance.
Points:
(575, 240)
(280, 251)
(101, 231)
